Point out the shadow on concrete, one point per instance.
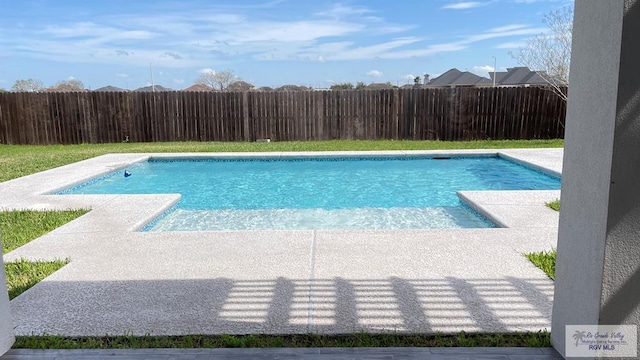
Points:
(282, 306)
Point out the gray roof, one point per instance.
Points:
(155, 88)
(455, 77)
(378, 86)
(514, 76)
(484, 81)
(199, 87)
(239, 85)
(292, 88)
(520, 76)
(110, 88)
(499, 76)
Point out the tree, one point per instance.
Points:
(342, 86)
(218, 80)
(360, 85)
(29, 85)
(68, 86)
(550, 52)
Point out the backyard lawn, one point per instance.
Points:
(20, 227)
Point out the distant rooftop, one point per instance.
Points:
(515, 76)
(110, 88)
(240, 85)
(292, 88)
(378, 86)
(455, 77)
(198, 87)
(519, 76)
(154, 88)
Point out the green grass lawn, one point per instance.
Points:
(21, 160)
(20, 227)
(23, 274)
(546, 260)
(462, 339)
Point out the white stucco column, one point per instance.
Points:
(598, 262)
(6, 326)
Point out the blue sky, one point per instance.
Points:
(266, 42)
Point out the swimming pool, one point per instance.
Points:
(323, 193)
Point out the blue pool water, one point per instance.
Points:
(319, 193)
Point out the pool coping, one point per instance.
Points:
(37, 191)
(521, 214)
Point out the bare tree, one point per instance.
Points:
(68, 85)
(30, 85)
(550, 52)
(218, 80)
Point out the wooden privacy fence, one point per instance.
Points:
(412, 114)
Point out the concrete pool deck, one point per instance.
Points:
(278, 282)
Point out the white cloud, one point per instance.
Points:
(88, 33)
(464, 5)
(421, 52)
(287, 32)
(393, 49)
(88, 52)
(184, 39)
(207, 71)
(181, 39)
(187, 39)
(508, 28)
(511, 45)
(171, 55)
(381, 50)
(504, 31)
(483, 70)
(178, 81)
(535, 1)
(408, 77)
(121, 75)
(375, 73)
(340, 10)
